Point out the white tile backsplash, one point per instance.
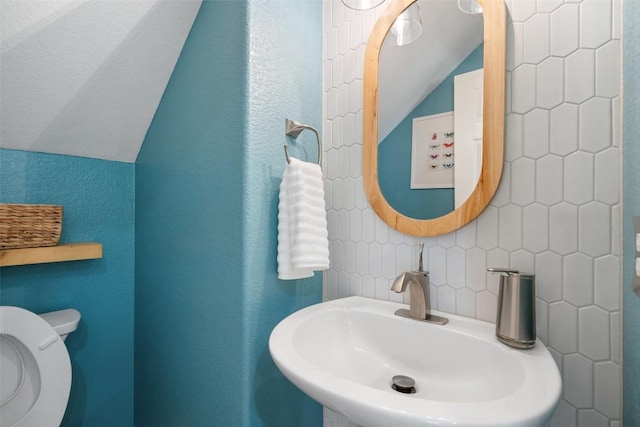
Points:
(593, 324)
(578, 177)
(607, 76)
(578, 381)
(607, 170)
(578, 279)
(556, 212)
(607, 388)
(563, 132)
(579, 74)
(536, 38)
(595, 125)
(523, 89)
(595, 23)
(549, 88)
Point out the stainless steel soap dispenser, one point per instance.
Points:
(516, 319)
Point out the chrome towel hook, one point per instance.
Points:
(293, 129)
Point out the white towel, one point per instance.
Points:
(303, 242)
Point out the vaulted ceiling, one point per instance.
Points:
(408, 74)
(84, 77)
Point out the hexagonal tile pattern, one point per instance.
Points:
(536, 38)
(523, 98)
(607, 78)
(565, 415)
(456, 267)
(607, 388)
(523, 174)
(546, 6)
(595, 17)
(515, 33)
(595, 125)
(466, 302)
(349, 257)
(606, 279)
(535, 228)
(578, 279)
(578, 178)
(564, 129)
(607, 171)
(542, 321)
(556, 212)
(593, 324)
(549, 276)
(447, 299)
(475, 269)
(466, 236)
(521, 10)
(579, 75)
(502, 196)
(510, 227)
(578, 381)
(595, 240)
(562, 336)
(549, 88)
(565, 30)
(486, 306)
(447, 240)
(488, 228)
(522, 260)
(589, 417)
(614, 326)
(549, 175)
(536, 133)
(513, 134)
(563, 228)
(438, 257)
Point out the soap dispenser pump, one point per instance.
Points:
(516, 318)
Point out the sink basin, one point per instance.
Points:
(344, 354)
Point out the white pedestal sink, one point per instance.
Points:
(344, 353)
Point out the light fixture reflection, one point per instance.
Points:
(362, 4)
(469, 6)
(406, 28)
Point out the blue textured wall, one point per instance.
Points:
(189, 207)
(394, 154)
(631, 206)
(285, 81)
(207, 295)
(98, 200)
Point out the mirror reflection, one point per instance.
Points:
(430, 111)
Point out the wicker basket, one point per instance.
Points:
(29, 226)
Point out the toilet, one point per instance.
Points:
(34, 366)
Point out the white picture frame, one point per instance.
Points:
(432, 151)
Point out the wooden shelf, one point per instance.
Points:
(59, 253)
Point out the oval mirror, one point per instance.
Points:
(412, 133)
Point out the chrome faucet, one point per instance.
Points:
(419, 296)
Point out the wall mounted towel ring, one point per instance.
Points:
(293, 129)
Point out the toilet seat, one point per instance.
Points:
(36, 371)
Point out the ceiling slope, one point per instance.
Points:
(84, 77)
(408, 74)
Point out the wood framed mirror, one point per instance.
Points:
(493, 106)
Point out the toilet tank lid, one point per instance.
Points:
(63, 321)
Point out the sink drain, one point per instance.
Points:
(403, 384)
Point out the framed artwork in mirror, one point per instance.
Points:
(432, 155)
(493, 119)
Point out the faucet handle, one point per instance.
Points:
(508, 271)
(420, 267)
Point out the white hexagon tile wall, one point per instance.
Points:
(556, 212)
